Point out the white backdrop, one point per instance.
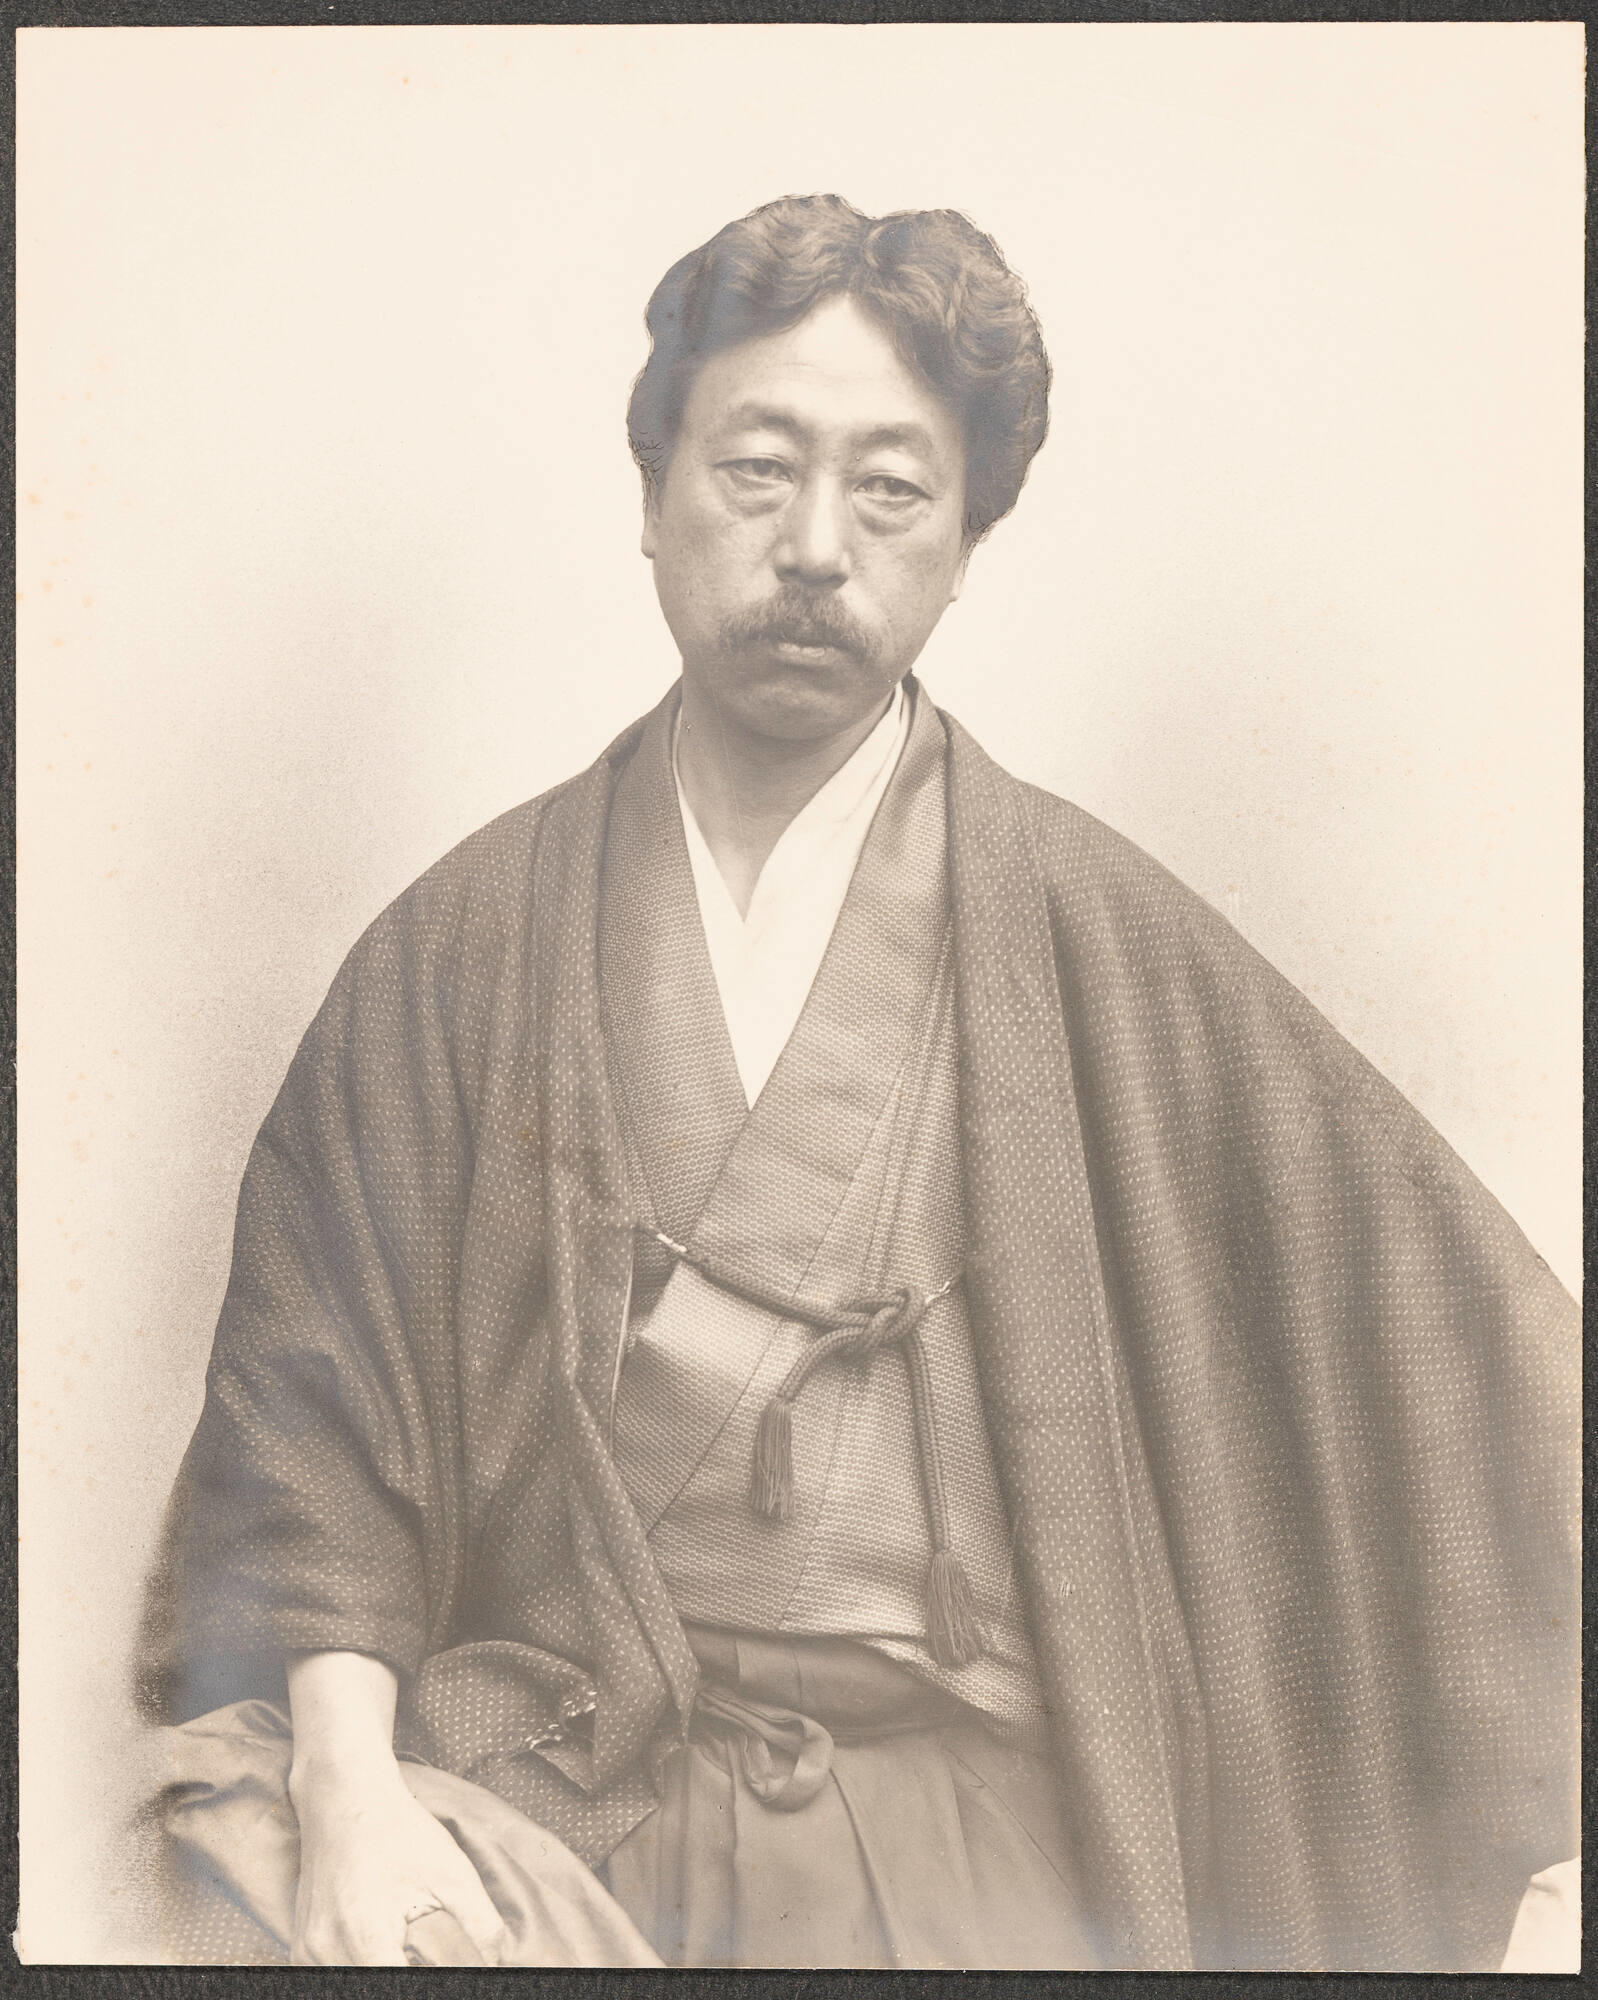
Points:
(328, 553)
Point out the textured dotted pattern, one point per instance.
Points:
(1288, 1414)
(1283, 1407)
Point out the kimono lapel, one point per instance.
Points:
(642, 1661)
(670, 1058)
(802, 1143)
(774, 1217)
(1045, 1361)
(757, 1190)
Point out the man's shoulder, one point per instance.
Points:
(1148, 961)
(501, 849)
(476, 895)
(1083, 854)
(479, 873)
(493, 864)
(1086, 865)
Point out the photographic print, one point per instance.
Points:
(800, 862)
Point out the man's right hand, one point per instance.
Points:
(372, 1860)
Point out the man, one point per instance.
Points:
(822, 1367)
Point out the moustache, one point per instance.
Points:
(797, 621)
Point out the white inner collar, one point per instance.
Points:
(766, 962)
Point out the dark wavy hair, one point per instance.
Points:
(956, 312)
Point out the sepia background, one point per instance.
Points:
(328, 553)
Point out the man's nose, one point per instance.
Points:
(814, 542)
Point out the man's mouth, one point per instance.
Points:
(802, 643)
(803, 649)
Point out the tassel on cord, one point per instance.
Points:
(771, 1472)
(955, 1637)
(954, 1632)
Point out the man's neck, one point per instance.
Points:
(745, 789)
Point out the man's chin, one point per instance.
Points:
(801, 695)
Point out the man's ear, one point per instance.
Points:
(960, 569)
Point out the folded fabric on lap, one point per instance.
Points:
(233, 1854)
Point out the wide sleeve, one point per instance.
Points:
(317, 1505)
(1355, 1388)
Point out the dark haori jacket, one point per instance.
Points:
(1283, 1405)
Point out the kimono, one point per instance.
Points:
(1280, 1407)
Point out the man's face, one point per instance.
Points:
(808, 533)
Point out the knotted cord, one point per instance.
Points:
(855, 1332)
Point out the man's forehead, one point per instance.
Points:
(835, 371)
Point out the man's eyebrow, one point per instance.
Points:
(762, 417)
(909, 436)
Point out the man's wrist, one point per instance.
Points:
(342, 1709)
(343, 1771)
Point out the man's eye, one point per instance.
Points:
(757, 471)
(883, 486)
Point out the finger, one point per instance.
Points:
(375, 1951)
(437, 1938)
(345, 1947)
(318, 1943)
(370, 1950)
(367, 1943)
(470, 1904)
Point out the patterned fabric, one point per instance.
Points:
(1283, 1406)
(841, 1183)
